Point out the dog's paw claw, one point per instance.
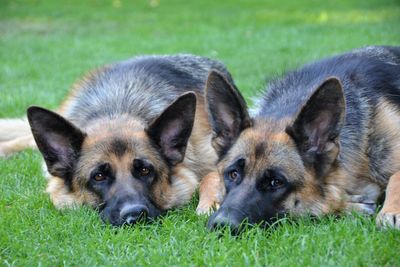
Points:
(207, 209)
(387, 220)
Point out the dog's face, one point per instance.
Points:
(273, 167)
(119, 166)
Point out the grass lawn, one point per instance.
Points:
(46, 45)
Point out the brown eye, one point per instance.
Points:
(233, 175)
(99, 177)
(144, 171)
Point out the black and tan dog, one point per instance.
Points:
(129, 140)
(326, 139)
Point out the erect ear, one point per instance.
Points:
(317, 126)
(227, 112)
(172, 129)
(58, 140)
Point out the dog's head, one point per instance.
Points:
(273, 167)
(120, 166)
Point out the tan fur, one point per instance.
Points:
(201, 158)
(60, 195)
(212, 191)
(183, 185)
(359, 179)
(389, 216)
(387, 123)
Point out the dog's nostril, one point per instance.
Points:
(217, 225)
(130, 214)
(131, 219)
(222, 222)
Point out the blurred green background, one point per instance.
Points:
(47, 45)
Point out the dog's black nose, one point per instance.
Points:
(220, 220)
(131, 213)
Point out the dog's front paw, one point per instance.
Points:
(211, 194)
(360, 203)
(389, 216)
(386, 220)
(207, 207)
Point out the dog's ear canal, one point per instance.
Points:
(227, 112)
(58, 140)
(317, 126)
(172, 129)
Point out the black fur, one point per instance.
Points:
(59, 141)
(227, 110)
(171, 131)
(318, 125)
(260, 150)
(118, 147)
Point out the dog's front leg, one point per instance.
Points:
(360, 203)
(389, 216)
(212, 192)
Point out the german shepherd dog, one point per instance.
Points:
(130, 140)
(325, 139)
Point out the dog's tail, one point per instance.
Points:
(15, 135)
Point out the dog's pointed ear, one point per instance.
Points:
(172, 129)
(227, 112)
(317, 126)
(58, 140)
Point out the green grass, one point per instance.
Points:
(46, 45)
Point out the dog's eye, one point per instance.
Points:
(275, 183)
(103, 172)
(233, 175)
(144, 171)
(272, 180)
(99, 177)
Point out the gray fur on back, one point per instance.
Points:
(387, 54)
(142, 86)
(290, 89)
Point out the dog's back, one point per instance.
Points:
(141, 87)
(356, 69)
